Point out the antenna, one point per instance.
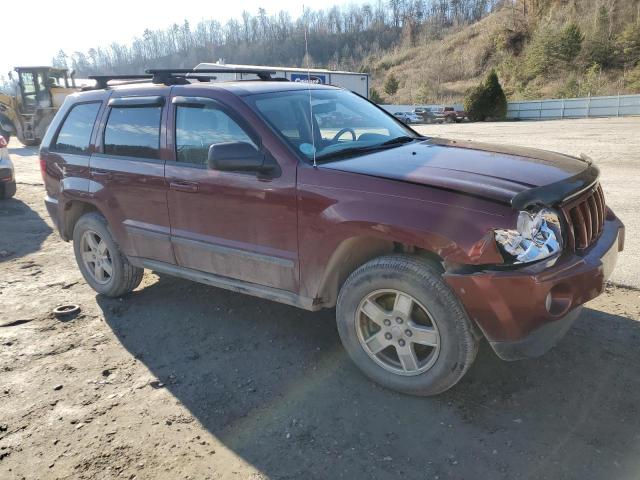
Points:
(306, 53)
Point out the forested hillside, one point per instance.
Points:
(418, 51)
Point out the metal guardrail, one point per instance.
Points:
(587, 107)
(610, 106)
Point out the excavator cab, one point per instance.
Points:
(38, 86)
(39, 93)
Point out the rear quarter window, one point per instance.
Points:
(75, 134)
(133, 132)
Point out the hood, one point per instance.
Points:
(497, 172)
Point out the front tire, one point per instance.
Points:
(102, 264)
(403, 326)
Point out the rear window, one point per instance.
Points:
(133, 132)
(75, 134)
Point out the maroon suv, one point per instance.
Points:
(312, 196)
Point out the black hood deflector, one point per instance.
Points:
(558, 192)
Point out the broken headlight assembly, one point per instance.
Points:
(537, 236)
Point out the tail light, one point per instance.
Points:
(3, 142)
(43, 167)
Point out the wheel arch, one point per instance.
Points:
(354, 252)
(71, 213)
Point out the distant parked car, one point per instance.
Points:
(448, 114)
(425, 114)
(408, 117)
(7, 176)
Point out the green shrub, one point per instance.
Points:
(424, 93)
(628, 44)
(570, 89)
(600, 47)
(487, 100)
(391, 84)
(549, 50)
(568, 44)
(632, 80)
(375, 96)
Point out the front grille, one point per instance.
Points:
(585, 218)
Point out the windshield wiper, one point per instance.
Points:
(366, 149)
(398, 140)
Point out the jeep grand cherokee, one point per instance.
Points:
(312, 196)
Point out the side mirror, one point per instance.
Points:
(236, 156)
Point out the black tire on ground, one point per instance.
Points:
(7, 190)
(5, 134)
(420, 279)
(125, 277)
(30, 143)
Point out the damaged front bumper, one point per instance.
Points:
(525, 311)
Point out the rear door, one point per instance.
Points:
(128, 173)
(232, 224)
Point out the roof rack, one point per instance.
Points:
(102, 81)
(178, 76)
(167, 75)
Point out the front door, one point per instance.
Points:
(232, 224)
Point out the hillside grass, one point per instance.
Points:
(440, 69)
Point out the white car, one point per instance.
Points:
(408, 117)
(7, 175)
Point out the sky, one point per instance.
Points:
(45, 27)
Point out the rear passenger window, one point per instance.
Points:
(199, 127)
(133, 132)
(75, 134)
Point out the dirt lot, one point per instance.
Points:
(185, 381)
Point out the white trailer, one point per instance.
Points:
(354, 81)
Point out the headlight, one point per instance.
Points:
(537, 236)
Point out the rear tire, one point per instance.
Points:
(5, 134)
(30, 143)
(423, 353)
(102, 264)
(8, 190)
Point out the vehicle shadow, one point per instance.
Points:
(273, 383)
(22, 230)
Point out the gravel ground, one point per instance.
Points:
(183, 381)
(612, 143)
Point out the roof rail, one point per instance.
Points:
(102, 81)
(165, 75)
(176, 76)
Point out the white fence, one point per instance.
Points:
(612, 106)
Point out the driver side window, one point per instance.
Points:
(198, 127)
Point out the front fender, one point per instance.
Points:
(455, 227)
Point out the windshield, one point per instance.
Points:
(343, 124)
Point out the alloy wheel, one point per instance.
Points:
(96, 257)
(397, 332)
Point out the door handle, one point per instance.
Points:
(191, 187)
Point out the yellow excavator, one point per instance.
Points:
(36, 95)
